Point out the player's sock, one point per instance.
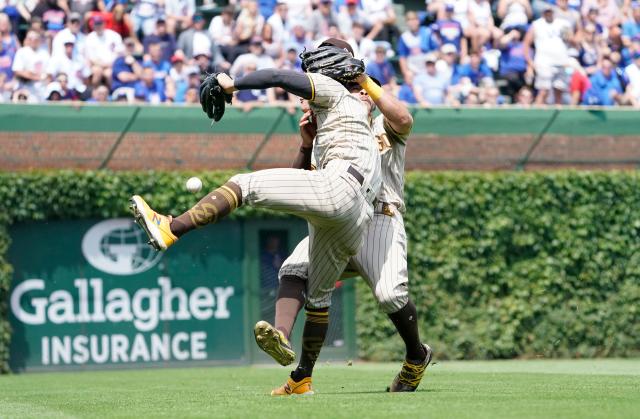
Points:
(210, 209)
(315, 330)
(406, 322)
(289, 302)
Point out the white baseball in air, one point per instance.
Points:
(194, 184)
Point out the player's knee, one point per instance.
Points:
(392, 300)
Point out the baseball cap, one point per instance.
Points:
(198, 17)
(339, 43)
(67, 38)
(325, 1)
(192, 70)
(175, 58)
(430, 58)
(547, 8)
(161, 20)
(97, 20)
(53, 87)
(349, 2)
(448, 49)
(449, 7)
(256, 40)
(75, 17)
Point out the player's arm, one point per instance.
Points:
(293, 82)
(308, 130)
(395, 112)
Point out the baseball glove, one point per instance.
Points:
(213, 98)
(333, 62)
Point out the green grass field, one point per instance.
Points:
(498, 389)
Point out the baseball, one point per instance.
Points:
(194, 184)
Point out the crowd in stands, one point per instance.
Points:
(451, 52)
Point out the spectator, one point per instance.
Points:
(321, 19)
(448, 60)
(144, 14)
(579, 83)
(481, 29)
(221, 31)
(606, 89)
(126, 70)
(524, 97)
(362, 47)
(301, 9)
(267, 7)
(609, 14)
(256, 56)
(29, 65)
(413, 44)
(83, 8)
(448, 30)
(100, 94)
(591, 49)
(292, 61)
(148, 89)
(550, 57)
(161, 69)
(162, 37)
(120, 22)
(25, 8)
(178, 14)
(632, 75)
(562, 11)
(299, 39)
(476, 70)
(185, 79)
(101, 48)
(514, 14)
(197, 41)
(8, 47)
(490, 97)
(71, 65)
(10, 9)
(5, 88)
(513, 62)
(73, 30)
(350, 15)
(382, 19)
(275, 33)
(381, 68)
(631, 27)
(248, 24)
(52, 15)
(430, 87)
(58, 90)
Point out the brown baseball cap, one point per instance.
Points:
(339, 43)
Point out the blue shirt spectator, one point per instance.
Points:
(475, 70)
(148, 89)
(161, 36)
(430, 87)
(512, 57)
(605, 89)
(448, 30)
(161, 68)
(631, 27)
(380, 67)
(8, 48)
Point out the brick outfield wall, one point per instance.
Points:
(159, 151)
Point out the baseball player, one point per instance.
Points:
(336, 200)
(381, 261)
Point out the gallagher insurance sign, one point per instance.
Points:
(93, 293)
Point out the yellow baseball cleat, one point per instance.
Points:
(155, 225)
(410, 375)
(274, 343)
(290, 388)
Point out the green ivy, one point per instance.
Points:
(501, 265)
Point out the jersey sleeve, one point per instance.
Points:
(392, 134)
(326, 92)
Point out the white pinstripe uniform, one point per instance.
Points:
(334, 202)
(382, 260)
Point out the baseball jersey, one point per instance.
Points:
(343, 130)
(392, 146)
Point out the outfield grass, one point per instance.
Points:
(498, 389)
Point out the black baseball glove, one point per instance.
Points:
(212, 97)
(333, 62)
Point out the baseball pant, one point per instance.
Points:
(382, 260)
(337, 207)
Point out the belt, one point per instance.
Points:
(353, 172)
(384, 208)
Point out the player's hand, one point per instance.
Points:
(308, 129)
(226, 82)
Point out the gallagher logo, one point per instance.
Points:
(119, 247)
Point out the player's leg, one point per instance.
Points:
(274, 340)
(382, 261)
(321, 195)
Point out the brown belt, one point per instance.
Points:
(384, 208)
(353, 172)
